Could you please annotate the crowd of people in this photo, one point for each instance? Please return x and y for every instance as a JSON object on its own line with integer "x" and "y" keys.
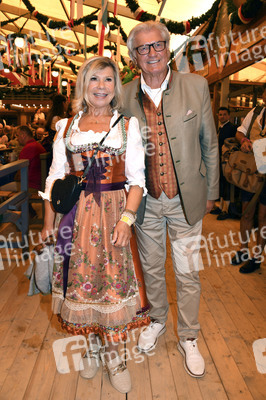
{"x": 158, "y": 166}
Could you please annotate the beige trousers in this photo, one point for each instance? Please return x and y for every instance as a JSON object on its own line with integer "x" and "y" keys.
{"x": 162, "y": 215}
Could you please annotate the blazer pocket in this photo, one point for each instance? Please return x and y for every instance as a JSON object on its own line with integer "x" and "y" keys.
{"x": 190, "y": 116}
{"x": 202, "y": 168}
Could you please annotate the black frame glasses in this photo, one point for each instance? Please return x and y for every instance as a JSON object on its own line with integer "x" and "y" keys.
{"x": 146, "y": 48}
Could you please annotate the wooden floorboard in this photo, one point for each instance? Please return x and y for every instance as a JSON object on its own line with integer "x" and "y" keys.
{"x": 232, "y": 316}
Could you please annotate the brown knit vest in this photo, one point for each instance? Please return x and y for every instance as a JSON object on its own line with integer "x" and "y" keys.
{"x": 161, "y": 174}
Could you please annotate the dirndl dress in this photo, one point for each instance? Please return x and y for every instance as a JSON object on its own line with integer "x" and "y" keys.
{"x": 104, "y": 291}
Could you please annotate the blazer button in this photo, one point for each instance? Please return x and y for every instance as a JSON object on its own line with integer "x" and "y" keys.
{"x": 162, "y": 173}
{"x": 161, "y": 143}
{"x": 161, "y": 164}
{"x": 158, "y": 113}
{"x": 160, "y": 154}
{"x": 160, "y": 133}
{"x": 159, "y": 123}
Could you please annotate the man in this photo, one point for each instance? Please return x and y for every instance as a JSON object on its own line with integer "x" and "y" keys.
{"x": 3, "y": 136}
{"x": 43, "y": 138}
{"x": 31, "y": 151}
{"x": 226, "y": 130}
{"x": 182, "y": 168}
{"x": 252, "y": 263}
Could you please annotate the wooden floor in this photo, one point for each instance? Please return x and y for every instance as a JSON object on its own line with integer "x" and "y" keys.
{"x": 232, "y": 317}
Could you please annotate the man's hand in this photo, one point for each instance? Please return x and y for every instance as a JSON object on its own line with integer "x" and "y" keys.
{"x": 209, "y": 206}
{"x": 246, "y": 146}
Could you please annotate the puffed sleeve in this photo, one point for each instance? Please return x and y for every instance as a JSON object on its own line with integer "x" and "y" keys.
{"x": 59, "y": 163}
{"x": 135, "y": 157}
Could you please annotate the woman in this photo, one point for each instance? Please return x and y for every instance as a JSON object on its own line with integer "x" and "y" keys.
{"x": 38, "y": 116}
{"x": 56, "y": 113}
{"x": 102, "y": 297}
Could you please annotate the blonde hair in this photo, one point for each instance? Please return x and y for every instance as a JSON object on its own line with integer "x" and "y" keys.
{"x": 86, "y": 71}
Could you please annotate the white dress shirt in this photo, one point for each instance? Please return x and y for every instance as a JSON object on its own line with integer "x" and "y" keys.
{"x": 155, "y": 94}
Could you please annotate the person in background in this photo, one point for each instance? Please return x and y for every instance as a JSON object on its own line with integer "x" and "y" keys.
{"x": 182, "y": 170}
{"x": 2, "y": 122}
{"x": 225, "y": 131}
{"x": 44, "y": 139}
{"x": 38, "y": 116}
{"x": 252, "y": 260}
{"x": 31, "y": 151}
{"x": 13, "y": 142}
{"x": 69, "y": 112}
{"x": 57, "y": 112}
{"x": 3, "y": 136}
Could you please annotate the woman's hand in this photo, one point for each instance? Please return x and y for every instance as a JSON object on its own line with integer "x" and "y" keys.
{"x": 122, "y": 234}
{"x": 46, "y": 232}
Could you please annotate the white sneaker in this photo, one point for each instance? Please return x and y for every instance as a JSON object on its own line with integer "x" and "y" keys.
{"x": 90, "y": 362}
{"x": 119, "y": 375}
{"x": 149, "y": 337}
{"x": 193, "y": 361}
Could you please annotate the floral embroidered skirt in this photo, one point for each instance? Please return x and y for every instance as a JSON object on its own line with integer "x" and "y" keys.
{"x": 105, "y": 289}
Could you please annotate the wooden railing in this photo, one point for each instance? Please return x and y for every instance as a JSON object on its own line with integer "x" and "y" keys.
{"x": 15, "y": 206}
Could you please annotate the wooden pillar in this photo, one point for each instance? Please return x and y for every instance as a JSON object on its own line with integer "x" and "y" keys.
{"x": 224, "y": 92}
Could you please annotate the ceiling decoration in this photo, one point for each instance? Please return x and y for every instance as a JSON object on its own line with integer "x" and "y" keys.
{"x": 62, "y": 56}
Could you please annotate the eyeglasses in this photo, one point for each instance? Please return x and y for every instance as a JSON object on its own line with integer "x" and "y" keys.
{"x": 146, "y": 48}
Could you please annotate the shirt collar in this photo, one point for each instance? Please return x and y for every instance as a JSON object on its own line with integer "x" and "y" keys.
{"x": 222, "y": 125}
{"x": 146, "y": 87}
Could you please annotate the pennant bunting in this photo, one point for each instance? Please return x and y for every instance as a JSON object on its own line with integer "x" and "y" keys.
{"x": 115, "y": 8}
{"x": 118, "y": 54}
{"x": 72, "y": 9}
{"x": 79, "y": 9}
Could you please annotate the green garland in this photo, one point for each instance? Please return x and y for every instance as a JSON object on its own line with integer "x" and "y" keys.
{"x": 237, "y": 16}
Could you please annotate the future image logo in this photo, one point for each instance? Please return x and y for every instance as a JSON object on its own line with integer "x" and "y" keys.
{"x": 259, "y": 350}
{"x": 68, "y": 353}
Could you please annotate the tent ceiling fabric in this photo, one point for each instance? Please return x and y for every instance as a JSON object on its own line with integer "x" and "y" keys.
{"x": 74, "y": 39}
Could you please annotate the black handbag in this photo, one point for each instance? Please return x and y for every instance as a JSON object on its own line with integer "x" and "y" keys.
{"x": 65, "y": 192}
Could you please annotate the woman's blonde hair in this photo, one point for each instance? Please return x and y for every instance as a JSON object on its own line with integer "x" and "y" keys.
{"x": 86, "y": 71}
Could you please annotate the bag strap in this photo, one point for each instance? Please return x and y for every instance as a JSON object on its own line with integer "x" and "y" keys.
{"x": 256, "y": 112}
{"x": 69, "y": 121}
{"x": 96, "y": 150}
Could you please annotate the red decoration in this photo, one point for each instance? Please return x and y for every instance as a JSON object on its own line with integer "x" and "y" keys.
{"x": 29, "y": 56}
{"x": 35, "y": 13}
{"x": 138, "y": 13}
{"x": 187, "y": 26}
{"x": 243, "y": 19}
{"x": 115, "y": 7}
{"x": 70, "y": 23}
{"x": 101, "y": 41}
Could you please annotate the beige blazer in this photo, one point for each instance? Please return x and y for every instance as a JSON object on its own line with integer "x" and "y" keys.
{"x": 192, "y": 138}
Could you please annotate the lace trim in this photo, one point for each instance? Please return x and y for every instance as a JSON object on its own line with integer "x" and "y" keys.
{"x": 106, "y": 309}
{"x": 131, "y": 290}
{"x": 92, "y": 146}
